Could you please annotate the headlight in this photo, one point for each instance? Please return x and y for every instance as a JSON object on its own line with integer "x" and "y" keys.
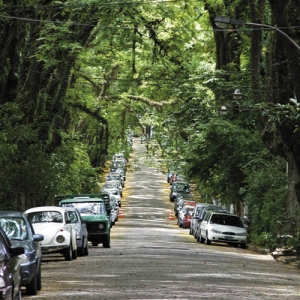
{"x": 77, "y": 234}
{"x": 101, "y": 226}
{"x": 60, "y": 239}
{"x": 2, "y": 282}
{"x": 216, "y": 231}
{"x": 242, "y": 233}
{"x": 24, "y": 258}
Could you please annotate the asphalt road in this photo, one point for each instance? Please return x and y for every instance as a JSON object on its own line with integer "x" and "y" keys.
{"x": 152, "y": 258}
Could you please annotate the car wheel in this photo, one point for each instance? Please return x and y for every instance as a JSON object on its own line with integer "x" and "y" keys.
{"x": 243, "y": 245}
{"x": 74, "y": 254}
{"x": 190, "y": 232}
{"x": 31, "y": 287}
{"x": 68, "y": 252}
{"x": 201, "y": 239}
{"x": 86, "y": 249}
{"x": 106, "y": 243}
{"x": 19, "y": 295}
{"x": 39, "y": 278}
{"x": 80, "y": 250}
{"x": 207, "y": 240}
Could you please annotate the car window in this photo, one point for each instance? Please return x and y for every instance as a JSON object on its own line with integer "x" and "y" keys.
{"x": 73, "y": 216}
{"x": 207, "y": 216}
{"x": 14, "y": 227}
{"x": 45, "y": 216}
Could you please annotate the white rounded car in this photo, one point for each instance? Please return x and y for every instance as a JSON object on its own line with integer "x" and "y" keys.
{"x": 55, "y": 225}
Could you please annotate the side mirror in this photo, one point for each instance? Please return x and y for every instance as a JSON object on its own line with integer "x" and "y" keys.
{"x": 68, "y": 221}
{"x": 38, "y": 237}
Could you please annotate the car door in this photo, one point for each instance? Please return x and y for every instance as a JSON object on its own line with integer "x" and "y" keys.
{"x": 203, "y": 225}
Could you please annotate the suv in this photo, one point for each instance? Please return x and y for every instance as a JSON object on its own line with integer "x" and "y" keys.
{"x": 95, "y": 212}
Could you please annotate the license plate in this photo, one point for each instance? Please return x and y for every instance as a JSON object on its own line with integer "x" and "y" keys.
{"x": 228, "y": 237}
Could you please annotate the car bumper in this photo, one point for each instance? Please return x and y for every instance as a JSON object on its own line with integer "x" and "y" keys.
{"x": 223, "y": 238}
{"x": 28, "y": 270}
{"x": 49, "y": 249}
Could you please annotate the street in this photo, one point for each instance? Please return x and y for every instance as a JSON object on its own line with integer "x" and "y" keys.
{"x": 152, "y": 258}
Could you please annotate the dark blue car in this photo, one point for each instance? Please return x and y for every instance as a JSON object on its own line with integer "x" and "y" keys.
{"x": 21, "y": 233}
{"x": 10, "y": 269}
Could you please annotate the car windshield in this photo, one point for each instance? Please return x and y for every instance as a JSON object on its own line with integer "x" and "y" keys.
{"x": 86, "y": 208}
{"x": 14, "y": 227}
{"x": 226, "y": 220}
{"x": 45, "y": 217}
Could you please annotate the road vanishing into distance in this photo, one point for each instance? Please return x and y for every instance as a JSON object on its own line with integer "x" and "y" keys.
{"x": 152, "y": 258}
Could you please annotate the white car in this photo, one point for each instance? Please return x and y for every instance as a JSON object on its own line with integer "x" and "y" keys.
{"x": 114, "y": 184}
{"x": 115, "y": 193}
{"x": 224, "y": 228}
{"x": 54, "y": 224}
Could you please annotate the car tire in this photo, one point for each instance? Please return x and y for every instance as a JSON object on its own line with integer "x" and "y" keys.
{"x": 190, "y": 232}
{"x": 201, "y": 239}
{"x": 207, "y": 240}
{"x": 74, "y": 254}
{"x": 19, "y": 295}
{"x": 31, "y": 287}
{"x": 86, "y": 249}
{"x": 106, "y": 243}
{"x": 39, "y": 278}
{"x": 68, "y": 253}
{"x": 80, "y": 250}
{"x": 243, "y": 246}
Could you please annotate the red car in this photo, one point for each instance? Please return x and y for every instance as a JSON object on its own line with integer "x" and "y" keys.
{"x": 185, "y": 216}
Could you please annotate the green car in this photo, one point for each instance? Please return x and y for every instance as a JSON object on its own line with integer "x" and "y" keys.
{"x": 95, "y": 212}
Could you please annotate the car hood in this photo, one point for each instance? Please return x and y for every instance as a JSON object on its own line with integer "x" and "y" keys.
{"x": 94, "y": 218}
{"x": 48, "y": 230}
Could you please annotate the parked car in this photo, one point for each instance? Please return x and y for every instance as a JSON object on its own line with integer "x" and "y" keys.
{"x": 178, "y": 187}
{"x": 55, "y": 225}
{"x": 187, "y": 197}
{"x": 115, "y": 194}
{"x": 79, "y": 226}
{"x": 185, "y": 215}
{"x": 119, "y": 170}
{"x": 114, "y": 184}
{"x": 203, "y": 211}
{"x": 21, "y": 234}
{"x": 95, "y": 212}
{"x": 196, "y": 216}
{"x": 183, "y": 203}
{"x": 224, "y": 228}
{"x": 115, "y": 177}
{"x": 114, "y": 210}
{"x": 10, "y": 269}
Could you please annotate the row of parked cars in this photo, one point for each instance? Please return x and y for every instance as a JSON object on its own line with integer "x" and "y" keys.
{"x": 206, "y": 222}
{"x": 65, "y": 228}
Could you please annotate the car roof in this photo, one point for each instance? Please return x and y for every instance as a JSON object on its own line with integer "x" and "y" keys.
{"x": 12, "y": 214}
{"x": 45, "y": 208}
{"x": 82, "y": 199}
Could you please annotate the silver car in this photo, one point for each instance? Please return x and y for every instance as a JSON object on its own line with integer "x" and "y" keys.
{"x": 81, "y": 231}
